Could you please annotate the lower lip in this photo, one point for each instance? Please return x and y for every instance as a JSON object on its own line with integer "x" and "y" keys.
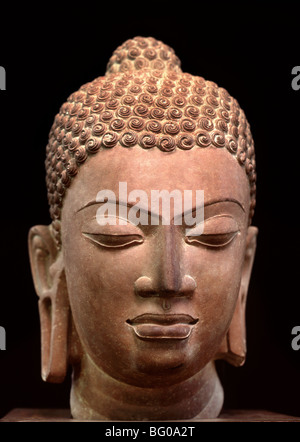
{"x": 162, "y": 332}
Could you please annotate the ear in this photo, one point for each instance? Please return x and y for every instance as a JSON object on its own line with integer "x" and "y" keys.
{"x": 50, "y": 284}
{"x": 233, "y": 347}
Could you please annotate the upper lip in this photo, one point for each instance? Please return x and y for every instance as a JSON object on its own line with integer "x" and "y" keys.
{"x": 160, "y": 319}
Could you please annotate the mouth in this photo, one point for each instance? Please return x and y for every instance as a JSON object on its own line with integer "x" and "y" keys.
{"x": 150, "y": 326}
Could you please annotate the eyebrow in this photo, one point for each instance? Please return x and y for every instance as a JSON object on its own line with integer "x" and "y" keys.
{"x": 119, "y": 202}
{"x": 128, "y": 204}
{"x": 224, "y": 200}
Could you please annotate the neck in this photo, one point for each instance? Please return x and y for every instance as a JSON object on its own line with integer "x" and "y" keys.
{"x": 97, "y": 396}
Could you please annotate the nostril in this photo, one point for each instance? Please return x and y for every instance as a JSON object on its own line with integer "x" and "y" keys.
{"x": 147, "y": 293}
{"x": 144, "y": 287}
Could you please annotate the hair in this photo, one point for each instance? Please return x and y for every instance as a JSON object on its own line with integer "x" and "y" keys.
{"x": 144, "y": 99}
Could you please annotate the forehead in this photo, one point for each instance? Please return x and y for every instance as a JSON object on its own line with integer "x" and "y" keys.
{"x": 213, "y": 170}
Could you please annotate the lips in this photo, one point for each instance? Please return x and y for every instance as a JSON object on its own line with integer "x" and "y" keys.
{"x": 161, "y": 327}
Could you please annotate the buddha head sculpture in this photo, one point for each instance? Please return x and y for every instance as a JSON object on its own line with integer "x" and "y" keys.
{"x": 142, "y": 310}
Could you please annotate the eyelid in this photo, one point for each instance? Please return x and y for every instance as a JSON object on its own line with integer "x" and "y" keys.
{"x": 112, "y": 236}
{"x": 213, "y": 241}
{"x": 113, "y": 241}
{"x": 216, "y": 225}
{"x": 215, "y": 232}
{"x": 93, "y": 227}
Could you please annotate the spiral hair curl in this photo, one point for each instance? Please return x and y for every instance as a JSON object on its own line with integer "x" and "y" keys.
{"x": 144, "y": 99}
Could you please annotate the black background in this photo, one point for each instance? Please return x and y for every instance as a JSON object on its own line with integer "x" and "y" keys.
{"x": 247, "y": 48}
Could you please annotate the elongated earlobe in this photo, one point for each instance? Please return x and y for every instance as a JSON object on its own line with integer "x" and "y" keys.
{"x": 49, "y": 279}
{"x": 233, "y": 348}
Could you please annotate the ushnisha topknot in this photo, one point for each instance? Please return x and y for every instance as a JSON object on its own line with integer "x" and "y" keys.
{"x": 143, "y": 100}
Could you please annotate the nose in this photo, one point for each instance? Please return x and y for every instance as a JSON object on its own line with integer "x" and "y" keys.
{"x": 167, "y": 276}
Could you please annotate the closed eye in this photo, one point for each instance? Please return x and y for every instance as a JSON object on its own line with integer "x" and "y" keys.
{"x": 113, "y": 241}
{"x": 217, "y": 231}
{"x": 215, "y": 240}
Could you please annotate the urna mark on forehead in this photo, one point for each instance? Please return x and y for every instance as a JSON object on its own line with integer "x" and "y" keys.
{"x": 144, "y": 100}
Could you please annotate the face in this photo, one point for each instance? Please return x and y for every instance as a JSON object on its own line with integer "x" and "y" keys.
{"x": 152, "y": 303}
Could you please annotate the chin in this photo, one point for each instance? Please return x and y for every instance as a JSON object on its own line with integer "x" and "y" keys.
{"x": 164, "y": 366}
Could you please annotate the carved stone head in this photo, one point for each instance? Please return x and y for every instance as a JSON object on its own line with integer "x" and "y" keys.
{"x": 141, "y": 310}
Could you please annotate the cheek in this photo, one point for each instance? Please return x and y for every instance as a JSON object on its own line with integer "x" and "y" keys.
{"x": 101, "y": 284}
{"x": 218, "y": 276}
